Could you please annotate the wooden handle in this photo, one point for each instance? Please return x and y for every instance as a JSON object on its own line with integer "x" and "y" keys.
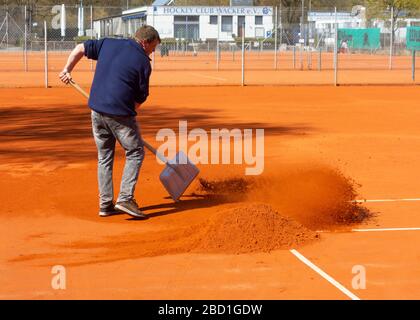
{"x": 154, "y": 151}
{"x": 78, "y": 88}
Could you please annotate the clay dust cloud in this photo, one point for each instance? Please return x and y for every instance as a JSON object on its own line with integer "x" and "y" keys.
{"x": 215, "y": 148}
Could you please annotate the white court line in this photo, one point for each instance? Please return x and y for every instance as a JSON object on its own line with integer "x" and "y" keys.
{"x": 324, "y": 275}
{"x": 374, "y": 230}
{"x": 209, "y": 77}
{"x": 384, "y": 200}
{"x": 386, "y": 229}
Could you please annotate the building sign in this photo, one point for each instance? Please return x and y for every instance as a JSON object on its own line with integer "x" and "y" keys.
{"x": 413, "y": 38}
{"x": 226, "y": 11}
{"x": 330, "y": 16}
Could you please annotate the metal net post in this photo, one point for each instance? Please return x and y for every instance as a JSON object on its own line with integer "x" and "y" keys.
{"x": 413, "y": 66}
{"x": 319, "y": 58}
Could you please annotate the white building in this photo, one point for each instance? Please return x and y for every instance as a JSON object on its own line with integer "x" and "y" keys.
{"x": 196, "y": 23}
{"x": 400, "y": 29}
{"x": 325, "y": 21}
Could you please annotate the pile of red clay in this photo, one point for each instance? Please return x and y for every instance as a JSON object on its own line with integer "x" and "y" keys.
{"x": 247, "y": 228}
{"x": 251, "y": 228}
{"x": 316, "y": 196}
{"x": 280, "y": 210}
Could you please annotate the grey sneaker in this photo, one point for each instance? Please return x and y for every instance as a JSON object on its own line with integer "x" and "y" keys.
{"x": 108, "y": 211}
{"x": 131, "y": 208}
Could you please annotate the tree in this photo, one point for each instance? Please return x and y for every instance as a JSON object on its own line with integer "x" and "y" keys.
{"x": 382, "y": 9}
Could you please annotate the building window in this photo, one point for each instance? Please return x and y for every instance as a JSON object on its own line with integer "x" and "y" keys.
{"x": 258, "y": 20}
{"x": 187, "y": 27}
{"x": 213, "y": 19}
{"x": 227, "y": 24}
{"x": 259, "y": 32}
{"x": 187, "y": 19}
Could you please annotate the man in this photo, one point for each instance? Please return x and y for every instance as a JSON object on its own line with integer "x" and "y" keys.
{"x": 120, "y": 85}
{"x": 344, "y": 46}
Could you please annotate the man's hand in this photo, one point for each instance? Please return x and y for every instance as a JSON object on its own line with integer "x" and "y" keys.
{"x": 65, "y": 76}
{"x": 72, "y": 60}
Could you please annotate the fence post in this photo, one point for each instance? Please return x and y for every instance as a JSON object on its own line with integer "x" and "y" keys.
{"x": 7, "y": 28}
{"x": 391, "y": 44}
{"x": 217, "y": 43}
{"x": 281, "y": 25}
{"x": 91, "y": 32}
{"x": 336, "y": 50}
{"x": 243, "y": 56}
{"x": 294, "y": 56}
{"x": 153, "y": 25}
{"x": 46, "y": 54}
{"x": 302, "y": 31}
{"x": 275, "y": 41}
{"x": 25, "y": 44}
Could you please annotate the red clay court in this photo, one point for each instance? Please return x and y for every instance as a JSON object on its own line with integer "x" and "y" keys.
{"x": 280, "y": 236}
{"x": 187, "y": 70}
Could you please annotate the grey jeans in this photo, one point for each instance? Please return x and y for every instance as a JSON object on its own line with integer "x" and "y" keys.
{"x": 106, "y": 131}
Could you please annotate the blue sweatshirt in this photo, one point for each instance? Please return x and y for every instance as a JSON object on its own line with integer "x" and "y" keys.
{"x": 121, "y": 77}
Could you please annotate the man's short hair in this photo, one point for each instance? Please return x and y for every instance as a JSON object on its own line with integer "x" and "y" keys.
{"x": 147, "y": 33}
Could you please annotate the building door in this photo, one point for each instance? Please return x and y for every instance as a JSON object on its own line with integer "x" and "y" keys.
{"x": 241, "y": 25}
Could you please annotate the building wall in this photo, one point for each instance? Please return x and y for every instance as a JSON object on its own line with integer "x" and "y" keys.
{"x": 207, "y": 30}
{"x": 163, "y": 20}
{"x": 323, "y": 22}
{"x": 163, "y": 24}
